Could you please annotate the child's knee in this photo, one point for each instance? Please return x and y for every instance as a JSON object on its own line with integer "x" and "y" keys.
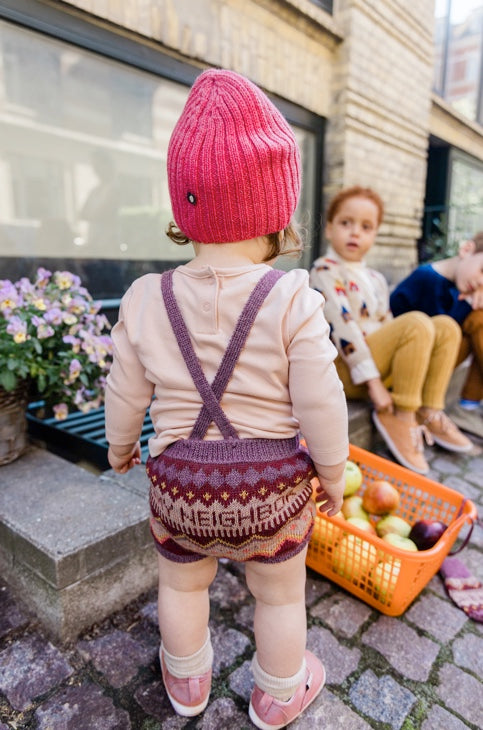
{"x": 195, "y": 576}
{"x": 420, "y": 325}
{"x": 277, "y": 583}
{"x": 448, "y": 328}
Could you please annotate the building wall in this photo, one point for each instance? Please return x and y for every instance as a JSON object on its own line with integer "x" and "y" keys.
{"x": 367, "y": 69}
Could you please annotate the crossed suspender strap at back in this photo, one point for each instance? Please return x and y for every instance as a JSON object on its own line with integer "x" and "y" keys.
{"x": 211, "y": 394}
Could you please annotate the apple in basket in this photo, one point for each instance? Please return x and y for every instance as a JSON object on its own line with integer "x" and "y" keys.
{"x": 384, "y": 577}
{"x": 353, "y": 557}
{"x": 380, "y": 497}
{"x": 426, "y": 533}
{"x": 352, "y": 507}
{"x": 404, "y": 543}
{"x": 362, "y": 524}
{"x": 353, "y": 478}
{"x": 393, "y": 523}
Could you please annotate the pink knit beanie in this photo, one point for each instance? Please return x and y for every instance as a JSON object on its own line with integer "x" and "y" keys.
{"x": 233, "y": 162}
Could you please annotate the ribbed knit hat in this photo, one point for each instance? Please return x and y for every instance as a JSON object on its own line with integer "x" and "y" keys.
{"x": 233, "y": 162}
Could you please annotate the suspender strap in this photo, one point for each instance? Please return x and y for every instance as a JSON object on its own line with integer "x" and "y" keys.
{"x": 236, "y": 344}
{"x": 211, "y": 410}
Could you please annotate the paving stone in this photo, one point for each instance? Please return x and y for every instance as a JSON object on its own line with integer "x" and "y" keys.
{"x": 382, "y": 698}
{"x": 330, "y": 713}
{"x": 227, "y": 590}
{"x": 461, "y": 692}
{"x": 117, "y": 655}
{"x": 81, "y": 707}
{"x": 339, "y": 661}
{"x": 468, "y": 653}
{"x": 241, "y": 681}
{"x": 436, "y": 584}
{"x": 30, "y": 667}
{"x": 152, "y": 698}
{"x": 462, "y": 486}
{"x": 445, "y": 465}
{"x": 13, "y": 615}
{"x": 228, "y": 644}
{"x": 410, "y": 654}
{"x": 475, "y": 470}
{"x": 440, "y": 618}
{"x": 315, "y": 588}
{"x": 440, "y": 719}
{"x": 223, "y": 713}
{"x": 344, "y": 614}
{"x": 150, "y": 611}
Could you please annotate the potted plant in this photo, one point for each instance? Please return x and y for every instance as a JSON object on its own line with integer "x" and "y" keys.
{"x": 54, "y": 345}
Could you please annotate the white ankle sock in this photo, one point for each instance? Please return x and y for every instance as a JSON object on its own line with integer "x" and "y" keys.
{"x": 282, "y": 688}
{"x": 193, "y": 665}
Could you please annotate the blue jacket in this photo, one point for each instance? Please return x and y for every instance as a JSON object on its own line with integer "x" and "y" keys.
{"x": 427, "y": 291}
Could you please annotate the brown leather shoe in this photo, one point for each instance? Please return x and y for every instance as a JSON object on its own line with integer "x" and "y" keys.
{"x": 404, "y": 439}
{"x": 443, "y": 430}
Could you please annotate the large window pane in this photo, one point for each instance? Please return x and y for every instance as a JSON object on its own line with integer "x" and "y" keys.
{"x": 83, "y": 143}
{"x": 458, "y": 54}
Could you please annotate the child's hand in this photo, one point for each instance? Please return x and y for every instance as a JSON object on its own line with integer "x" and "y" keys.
{"x": 123, "y": 458}
{"x": 379, "y": 395}
{"x": 330, "y": 490}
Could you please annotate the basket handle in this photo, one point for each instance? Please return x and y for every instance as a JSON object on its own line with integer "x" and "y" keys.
{"x": 470, "y": 531}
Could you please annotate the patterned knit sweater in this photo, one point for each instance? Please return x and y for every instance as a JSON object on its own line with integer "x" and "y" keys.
{"x": 357, "y": 303}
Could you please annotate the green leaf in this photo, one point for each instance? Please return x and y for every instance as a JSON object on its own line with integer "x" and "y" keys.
{"x": 8, "y": 380}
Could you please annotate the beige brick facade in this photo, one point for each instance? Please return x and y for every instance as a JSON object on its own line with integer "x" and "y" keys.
{"x": 367, "y": 69}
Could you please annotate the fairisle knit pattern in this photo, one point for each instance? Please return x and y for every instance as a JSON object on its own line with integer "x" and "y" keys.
{"x": 237, "y": 498}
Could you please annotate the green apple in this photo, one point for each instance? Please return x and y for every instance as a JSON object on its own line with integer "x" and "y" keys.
{"x": 393, "y": 524}
{"x": 384, "y": 578}
{"x": 362, "y": 524}
{"x": 353, "y": 557}
{"x": 352, "y": 507}
{"x": 400, "y": 542}
{"x": 353, "y": 478}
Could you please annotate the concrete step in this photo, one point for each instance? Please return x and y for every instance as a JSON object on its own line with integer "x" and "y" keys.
{"x": 73, "y": 545}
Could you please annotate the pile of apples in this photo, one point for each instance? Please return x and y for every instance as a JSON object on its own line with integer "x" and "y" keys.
{"x": 355, "y": 558}
{"x": 373, "y": 512}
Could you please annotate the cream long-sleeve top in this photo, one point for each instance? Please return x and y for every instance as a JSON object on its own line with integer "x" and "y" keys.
{"x": 284, "y": 381}
{"x": 356, "y": 304}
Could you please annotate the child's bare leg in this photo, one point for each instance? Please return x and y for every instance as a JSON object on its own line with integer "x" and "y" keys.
{"x": 183, "y": 604}
{"x": 280, "y": 623}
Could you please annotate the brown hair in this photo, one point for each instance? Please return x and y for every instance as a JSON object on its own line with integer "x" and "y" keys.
{"x": 355, "y": 192}
{"x": 478, "y": 241}
{"x": 281, "y": 243}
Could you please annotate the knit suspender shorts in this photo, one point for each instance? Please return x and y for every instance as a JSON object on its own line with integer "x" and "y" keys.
{"x": 243, "y": 499}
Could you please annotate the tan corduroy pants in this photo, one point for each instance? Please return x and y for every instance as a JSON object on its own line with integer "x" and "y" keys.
{"x": 415, "y": 355}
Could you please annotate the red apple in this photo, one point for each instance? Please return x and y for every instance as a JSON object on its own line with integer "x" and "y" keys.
{"x": 426, "y": 533}
{"x": 380, "y": 497}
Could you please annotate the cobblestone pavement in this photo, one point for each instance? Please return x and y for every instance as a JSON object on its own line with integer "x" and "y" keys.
{"x": 420, "y": 670}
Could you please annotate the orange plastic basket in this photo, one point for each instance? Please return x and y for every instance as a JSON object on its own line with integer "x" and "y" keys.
{"x": 380, "y": 574}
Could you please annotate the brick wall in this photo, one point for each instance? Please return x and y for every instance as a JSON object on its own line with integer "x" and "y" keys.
{"x": 367, "y": 69}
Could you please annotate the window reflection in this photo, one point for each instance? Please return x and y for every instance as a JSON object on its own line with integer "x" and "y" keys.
{"x": 458, "y": 55}
{"x": 83, "y": 143}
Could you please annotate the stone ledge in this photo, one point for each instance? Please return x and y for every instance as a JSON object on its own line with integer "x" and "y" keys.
{"x": 74, "y": 546}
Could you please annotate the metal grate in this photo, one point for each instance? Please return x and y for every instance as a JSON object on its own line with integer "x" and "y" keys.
{"x": 81, "y": 436}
